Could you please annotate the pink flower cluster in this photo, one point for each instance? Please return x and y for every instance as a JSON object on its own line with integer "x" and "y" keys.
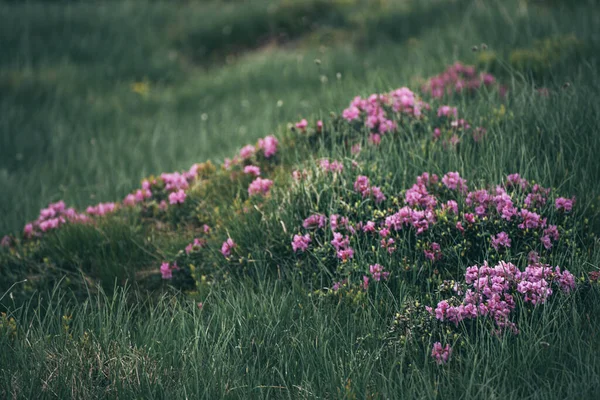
{"x": 101, "y": 209}
{"x": 563, "y": 204}
{"x": 406, "y": 216}
{"x": 433, "y": 252}
{"x": 331, "y": 166}
{"x": 55, "y": 215}
{"x": 447, "y": 111}
{"x": 177, "y": 197}
{"x": 260, "y": 186}
{"x": 424, "y": 209}
{"x": 174, "y": 181}
{"x": 362, "y": 186}
{"x": 458, "y": 78}
{"x": 375, "y": 109}
{"x": 501, "y": 240}
{"x": 227, "y": 246}
{"x": 301, "y": 242}
{"x": 315, "y": 221}
{"x": 453, "y": 181}
{"x": 196, "y": 245}
{"x": 490, "y": 292}
{"x": 175, "y": 184}
{"x": 252, "y": 170}
{"x": 336, "y": 222}
{"x": 377, "y": 272}
{"x": 268, "y": 146}
{"x": 167, "y": 269}
{"x": 302, "y": 125}
{"x": 138, "y": 197}
{"x": 440, "y": 354}
{"x": 342, "y": 247}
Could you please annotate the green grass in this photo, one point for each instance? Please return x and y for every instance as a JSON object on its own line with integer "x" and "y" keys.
{"x": 73, "y": 128}
{"x": 270, "y": 342}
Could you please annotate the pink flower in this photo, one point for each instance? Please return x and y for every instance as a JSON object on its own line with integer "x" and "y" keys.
{"x": 268, "y": 145}
{"x": 566, "y": 280}
{"x": 338, "y": 285}
{"x": 454, "y": 140}
{"x": 375, "y": 139}
{"x": 177, "y": 197}
{"x": 142, "y": 194}
{"x": 227, "y": 246}
{"x": 167, "y": 270}
{"x": 339, "y": 241}
{"x": 197, "y": 244}
{"x": 501, "y": 240}
{"x": 301, "y": 242}
{"x": 533, "y": 257}
{"x": 206, "y": 228}
{"x": 192, "y": 173}
{"x": 377, "y": 272}
{"x": 361, "y": 185}
{"x": 247, "y": 151}
{"x": 129, "y": 200}
{"x": 369, "y": 227}
{"x": 260, "y": 186}
{"x": 550, "y": 234}
{"x": 365, "y": 283}
{"x": 351, "y": 113}
{"x": 315, "y": 221}
{"x": 101, "y": 209}
{"x": 252, "y": 170}
{"x": 345, "y": 254}
{"x": 440, "y": 354}
{"x": 453, "y": 181}
{"x": 531, "y": 220}
{"x": 355, "y": 149}
{"x": 433, "y": 252}
{"x": 173, "y": 181}
{"x": 447, "y": 111}
{"x": 516, "y": 181}
{"x": 319, "y": 126}
{"x": 377, "y": 194}
{"x": 28, "y": 230}
{"x": 452, "y": 206}
{"x": 302, "y": 125}
{"x": 564, "y": 204}
{"x": 333, "y": 166}
{"x": 470, "y": 218}
{"x": 6, "y": 241}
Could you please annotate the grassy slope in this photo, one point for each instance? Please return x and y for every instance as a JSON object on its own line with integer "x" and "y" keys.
{"x": 266, "y": 340}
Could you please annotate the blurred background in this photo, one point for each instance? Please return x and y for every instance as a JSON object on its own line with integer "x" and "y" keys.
{"x": 96, "y": 95}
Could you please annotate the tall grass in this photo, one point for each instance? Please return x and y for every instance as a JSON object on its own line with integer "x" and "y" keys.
{"x": 268, "y": 341}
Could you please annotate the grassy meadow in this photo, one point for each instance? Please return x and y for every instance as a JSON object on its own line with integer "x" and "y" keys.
{"x": 216, "y": 283}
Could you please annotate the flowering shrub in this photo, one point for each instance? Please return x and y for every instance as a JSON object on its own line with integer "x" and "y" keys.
{"x": 400, "y": 110}
{"x": 446, "y": 222}
{"x": 458, "y": 79}
{"x": 491, "y": 292}
{"x": 488, "y": 297}
{"x": 368, "y": 234}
